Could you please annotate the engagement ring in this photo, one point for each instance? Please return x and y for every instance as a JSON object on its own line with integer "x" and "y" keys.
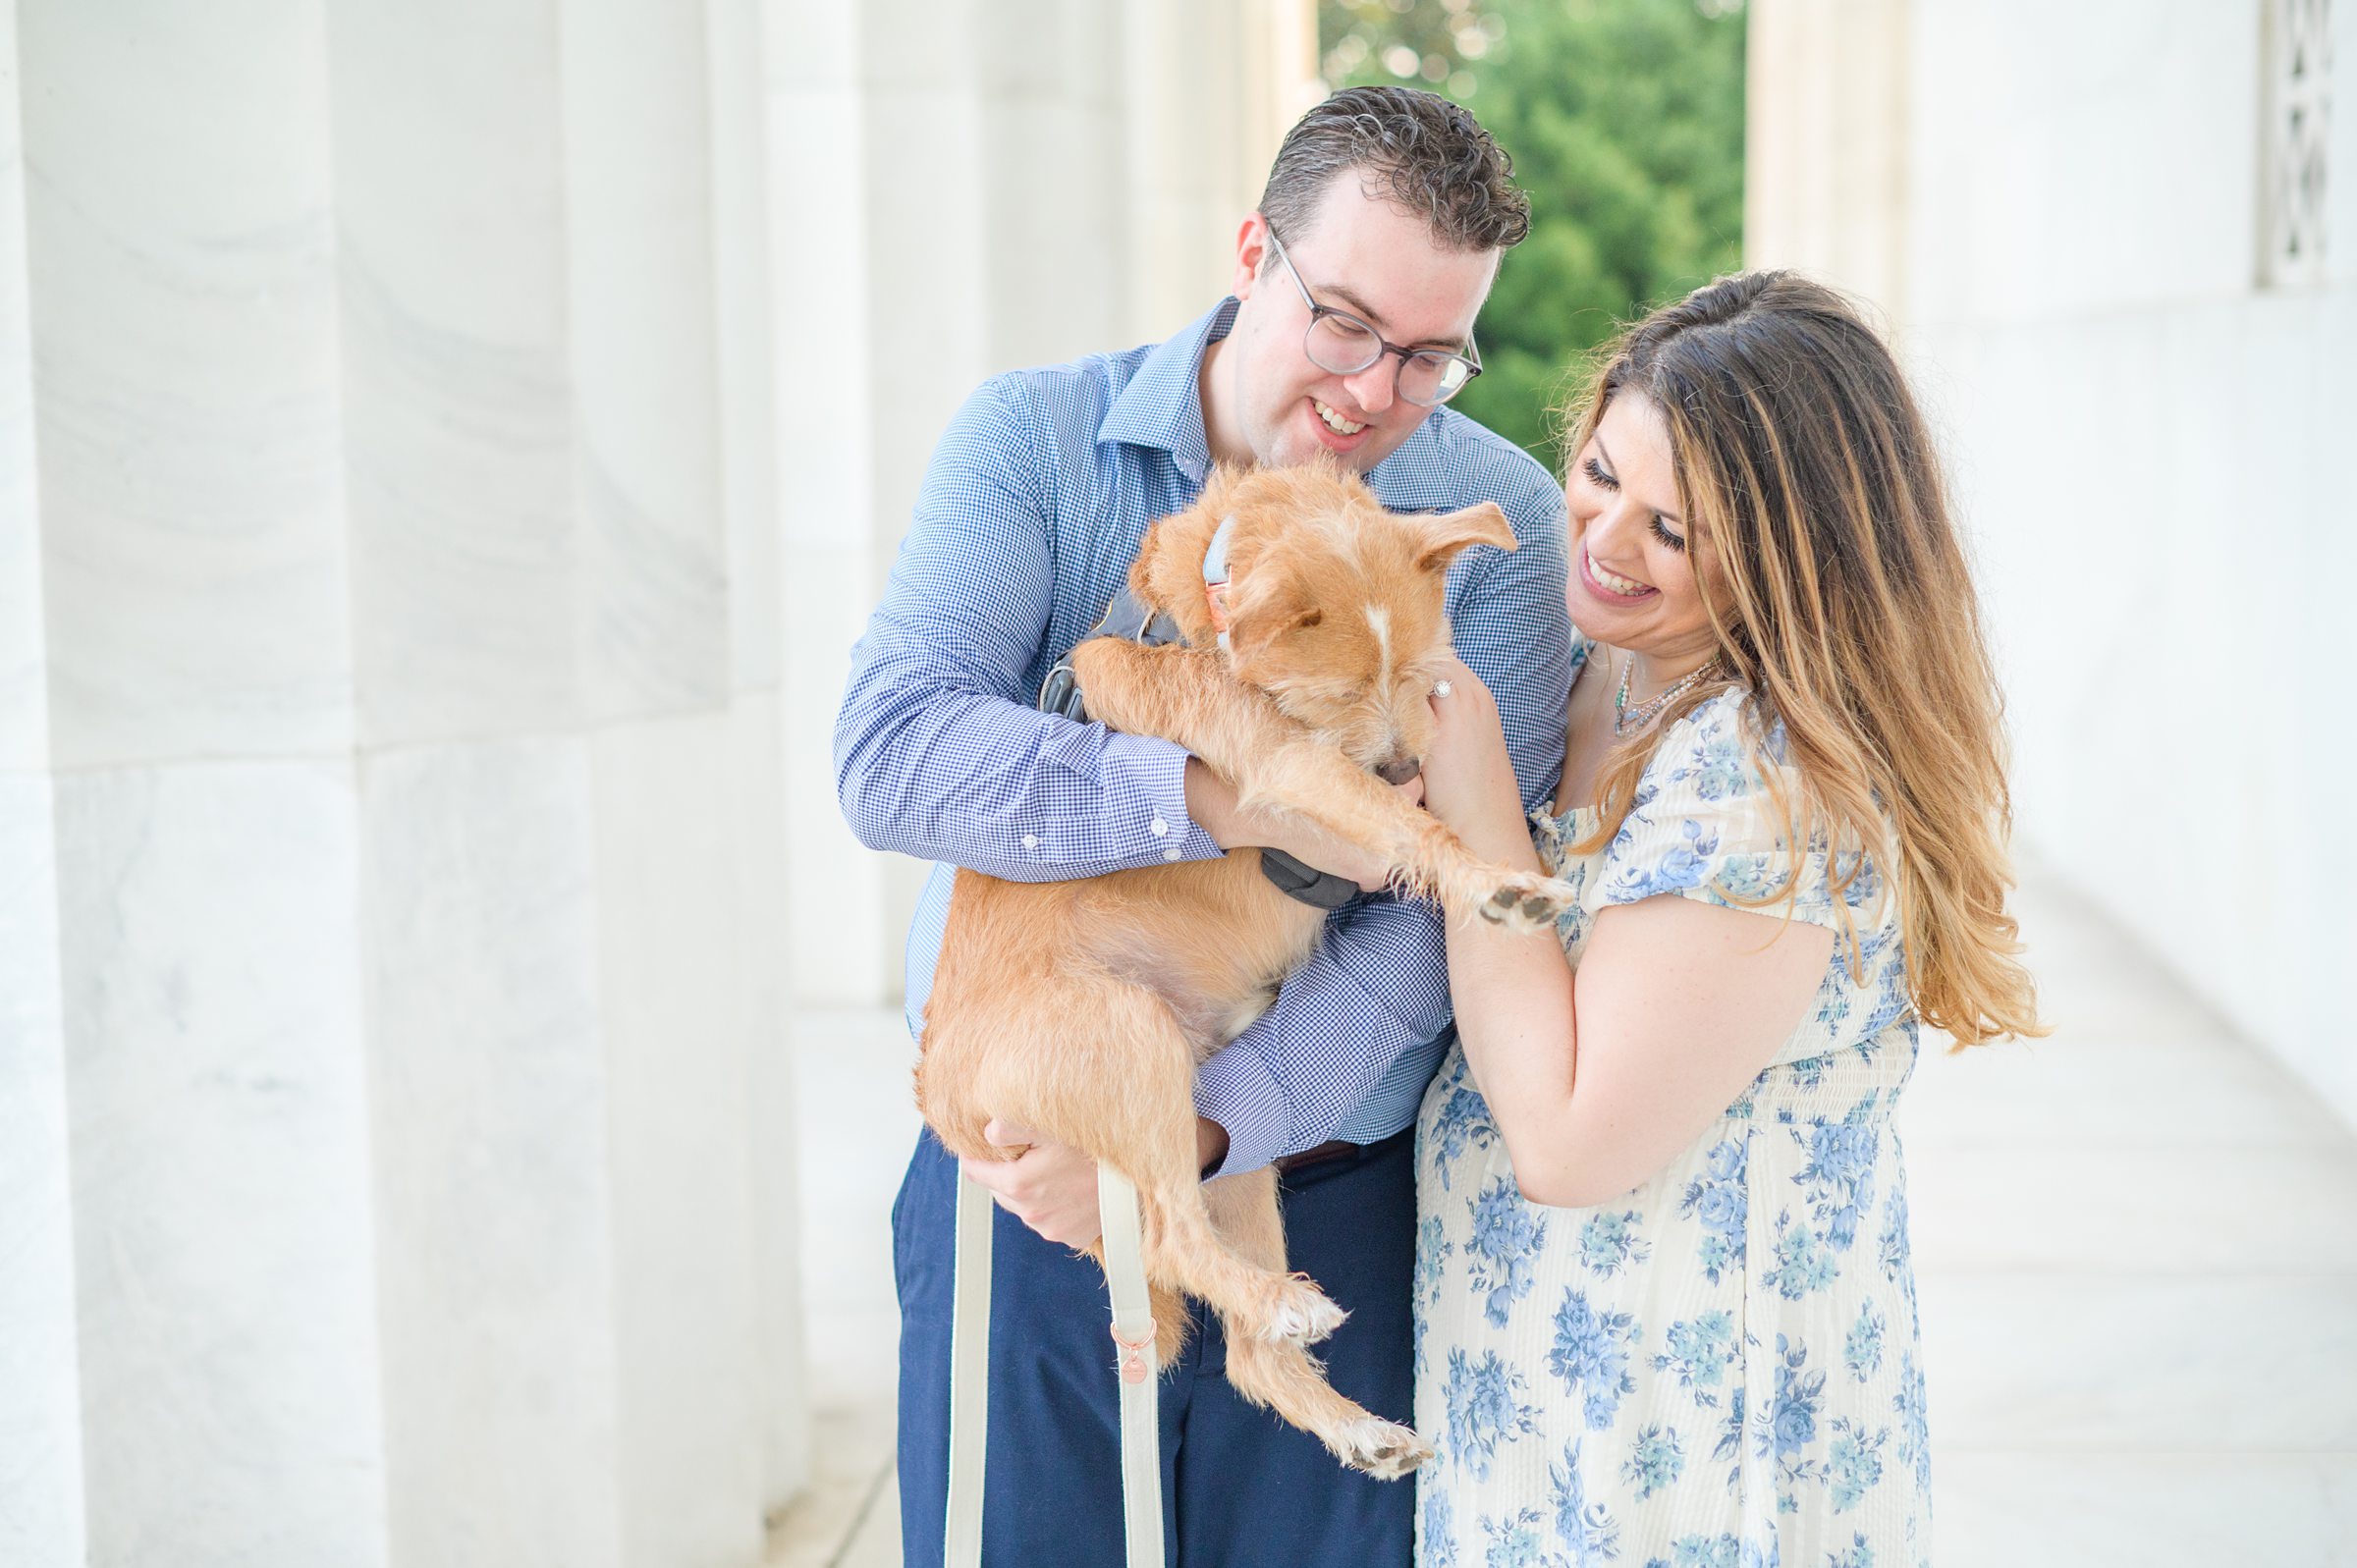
{"x": 1441, "y": 688}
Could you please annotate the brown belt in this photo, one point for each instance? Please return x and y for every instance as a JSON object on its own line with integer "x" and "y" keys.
{"x": 1287, "y": 1164}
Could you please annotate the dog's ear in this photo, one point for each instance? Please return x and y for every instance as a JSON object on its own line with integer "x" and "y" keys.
{"x": 1449, "y": 534}
{"x": 1168, "y": 574}
{"x": 1276, "y": 603}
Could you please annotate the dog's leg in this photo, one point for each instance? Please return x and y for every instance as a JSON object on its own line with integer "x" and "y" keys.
{"x": 1283, "y": 1375}
{"x": 1258, "y": 1303}
{"x": 1290, "y": 1380}
{"x": 1322, "y": 786}
{"x": 1186, "y": 695}
{"x": 1181, "y": 694}
{"x": 1141, "y": 1123}
{"x": 1244, "y": 1216}
{"x": 1114, "y": 1080}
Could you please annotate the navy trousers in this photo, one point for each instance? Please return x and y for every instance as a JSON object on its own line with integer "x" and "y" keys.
{"x": 1240, "y": 1489}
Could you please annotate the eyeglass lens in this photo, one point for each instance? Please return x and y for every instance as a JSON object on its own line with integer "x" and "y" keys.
{"x": 1345, "y": 348}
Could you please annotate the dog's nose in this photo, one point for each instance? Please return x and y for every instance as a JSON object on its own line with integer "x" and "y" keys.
{"x": 1399, "y": 770}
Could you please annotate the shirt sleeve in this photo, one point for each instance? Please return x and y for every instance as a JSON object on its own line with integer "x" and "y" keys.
{"x": 939, "y": 752}
{"x": 1378, "y": 985}
{"x": 1709, "y": 821}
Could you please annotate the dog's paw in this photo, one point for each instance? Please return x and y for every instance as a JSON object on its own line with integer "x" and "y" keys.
{"x": 1527, "y": 902}
{"x": 1302, "y": 1315}
{"x": 1382, "y": 1448}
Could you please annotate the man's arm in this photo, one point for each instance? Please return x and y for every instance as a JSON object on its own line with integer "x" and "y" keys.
{"x": 938, "y": 751}
{"x": 1377, "y": 987}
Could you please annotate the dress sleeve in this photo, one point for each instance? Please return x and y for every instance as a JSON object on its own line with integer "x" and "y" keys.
{"x": 1706, "y": 825}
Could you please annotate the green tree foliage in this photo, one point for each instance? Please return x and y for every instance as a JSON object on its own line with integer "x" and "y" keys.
{"x": 1624, "y": 118}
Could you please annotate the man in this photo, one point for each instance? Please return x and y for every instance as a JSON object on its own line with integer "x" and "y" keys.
{"x": 1356, "y": 285}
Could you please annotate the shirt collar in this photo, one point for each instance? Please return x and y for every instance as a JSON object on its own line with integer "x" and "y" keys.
{"x": 1418, "y": 476}
{"x": 1162, "y": 407}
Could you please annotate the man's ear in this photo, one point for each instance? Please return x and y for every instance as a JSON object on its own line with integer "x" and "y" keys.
{"x": 1251, "y": 254}
{"x": 1449, "y": 536}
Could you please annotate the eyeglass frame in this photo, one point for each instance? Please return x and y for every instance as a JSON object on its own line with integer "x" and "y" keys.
{"x": 1471, "y": 358}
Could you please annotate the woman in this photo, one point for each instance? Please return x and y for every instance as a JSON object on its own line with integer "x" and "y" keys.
{"x": 1664, "y": 1306}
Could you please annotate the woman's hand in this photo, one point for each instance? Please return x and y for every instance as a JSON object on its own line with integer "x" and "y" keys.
{"x": 1468, "y": 776}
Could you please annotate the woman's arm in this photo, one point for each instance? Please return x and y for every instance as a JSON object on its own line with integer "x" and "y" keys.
{"x": 1596, "y": 1085}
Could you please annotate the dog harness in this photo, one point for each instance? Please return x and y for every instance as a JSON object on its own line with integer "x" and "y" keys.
{"x": 1127, "y": 617}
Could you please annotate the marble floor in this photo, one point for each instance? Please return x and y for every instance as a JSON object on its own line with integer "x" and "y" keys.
{"x": 2138, "y": 1253}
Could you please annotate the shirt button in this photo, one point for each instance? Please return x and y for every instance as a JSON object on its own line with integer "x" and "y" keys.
{"x": 1030, "y": 841}
{"x": 1172, "y": 854}
{"x": 1159, "y": 827}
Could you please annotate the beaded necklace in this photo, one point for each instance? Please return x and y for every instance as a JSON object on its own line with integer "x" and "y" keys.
{"x": 1627, "y": 718}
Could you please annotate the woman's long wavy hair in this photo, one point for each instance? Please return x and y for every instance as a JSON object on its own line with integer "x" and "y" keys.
{"x": 1840, "y": 599}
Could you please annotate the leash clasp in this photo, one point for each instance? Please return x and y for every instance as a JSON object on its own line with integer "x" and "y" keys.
{"x": 1134, "y": 1352}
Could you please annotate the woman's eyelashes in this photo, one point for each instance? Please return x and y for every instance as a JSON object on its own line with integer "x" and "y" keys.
{"x": 1661, "y": 530}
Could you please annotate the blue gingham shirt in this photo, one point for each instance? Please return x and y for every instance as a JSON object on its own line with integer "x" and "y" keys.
{"x": 1029, "y": 518}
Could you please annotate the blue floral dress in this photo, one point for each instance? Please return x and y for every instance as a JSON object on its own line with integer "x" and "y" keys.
{"x": 1722, "y": 1369}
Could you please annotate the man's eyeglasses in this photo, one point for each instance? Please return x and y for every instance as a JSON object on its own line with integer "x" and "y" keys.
{"x": 1341, "y": 344}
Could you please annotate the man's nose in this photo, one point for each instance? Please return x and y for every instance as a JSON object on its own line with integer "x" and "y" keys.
{"x": 1372, "y": 388}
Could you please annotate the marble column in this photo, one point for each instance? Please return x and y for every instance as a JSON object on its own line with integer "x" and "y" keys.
{"x": 391, "y": 868}
{"x": 187, "y": 512}
{"x": 1826, "y": 163}
{"x": 41, "y": 1411}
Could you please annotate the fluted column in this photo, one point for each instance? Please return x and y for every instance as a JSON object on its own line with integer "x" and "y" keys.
{"x": 180, "y": 228}
{"x": 40, "y": 1413}
{"x": 392, "y": 875}
{"x": 1825, "y": 175}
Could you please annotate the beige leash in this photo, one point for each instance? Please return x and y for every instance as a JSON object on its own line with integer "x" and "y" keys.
{"x": 969, "y": 1376}
{"x": 969, "y": 1373}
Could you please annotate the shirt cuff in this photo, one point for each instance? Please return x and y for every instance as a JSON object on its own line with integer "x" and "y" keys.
{"x": 1236, "y": 1090}
{"x": 1153, "y": 773}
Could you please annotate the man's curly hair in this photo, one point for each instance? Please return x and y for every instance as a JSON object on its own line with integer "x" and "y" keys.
{"x": 1415, "y": 149}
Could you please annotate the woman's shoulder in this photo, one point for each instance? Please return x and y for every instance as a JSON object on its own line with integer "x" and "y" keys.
{"x": 1722, "y": 811}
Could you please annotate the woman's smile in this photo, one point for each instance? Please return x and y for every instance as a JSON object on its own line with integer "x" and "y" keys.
{"x": 1607, "y": 584}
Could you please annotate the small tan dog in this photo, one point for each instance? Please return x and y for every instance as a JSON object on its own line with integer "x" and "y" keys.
{"x": 1081, "y": 1008}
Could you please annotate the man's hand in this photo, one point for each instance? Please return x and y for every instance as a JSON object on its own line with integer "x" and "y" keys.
{"x": 1212, "y": 802}
{"x": 1052, "y": 1187}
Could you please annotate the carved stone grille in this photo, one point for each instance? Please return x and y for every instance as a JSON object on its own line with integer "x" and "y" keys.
{"x": 2299, "y": 123}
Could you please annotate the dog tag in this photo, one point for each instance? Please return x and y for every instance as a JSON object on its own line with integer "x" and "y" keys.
{"x": 1133, "y": 1353}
